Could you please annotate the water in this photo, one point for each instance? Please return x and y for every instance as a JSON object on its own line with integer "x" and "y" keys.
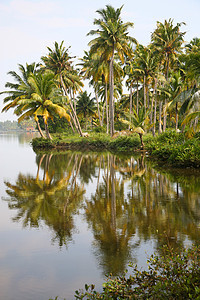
{"x": 69, "y": 218}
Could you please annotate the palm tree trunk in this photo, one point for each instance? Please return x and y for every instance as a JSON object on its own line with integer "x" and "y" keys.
{"x": 39, "y": 129}
{"x": 176, "y": 116}
{"x": 160, "y": 117}
{"x": 72, "y": 108}
{"x": 165, "y": 117}
{"x": 73, "y": 121}
{"x": 99, "y": 115}
{"x": 131, "y": 100}
{"x": 153, "y": 102}
{"x": 70, "y": 123}
{"x": 145, "y": 93}
{"x": 103, "y": 111}
{"x": 141, "y": 140}
{"x": 154, "y": 118}
{"x": 47, "y": 130}
{"x": 107, "y": 115}
{"x": 137, "y": 104}
{"x": 111, "y": 102}
{"x": 165, "y": 112}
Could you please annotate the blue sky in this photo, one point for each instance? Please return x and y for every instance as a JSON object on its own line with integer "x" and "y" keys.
{"x": 27, "y": 27}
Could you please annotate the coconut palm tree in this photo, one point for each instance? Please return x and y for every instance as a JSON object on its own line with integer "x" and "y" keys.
{"x": 85, "y": 105}
{"x": 59, "y": 61}
{"x": 174, "y": 88}
{"x": 167, "y": 41}
{"x": 94, "y": 69}
{"x": 20, "y": 89}
{"x": 112, "y": 37}
{"x": 139, "y": 123}
{"x": 45, "y": 100}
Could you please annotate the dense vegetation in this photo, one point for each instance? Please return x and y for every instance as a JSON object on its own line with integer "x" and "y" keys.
{"x": 169, "y": 148}
{"x": 162, "y": 79}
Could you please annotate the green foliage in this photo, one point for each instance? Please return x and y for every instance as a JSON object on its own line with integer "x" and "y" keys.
{"x": 56, "y": 125}
{"x": 170, "y": 276}
{"x": 124, "y": 143}
{"x": 100, "y": 129}
{"x": 38, "y": 143}
{"x": 170, "y": 148}
{"x": 175, "y": 149}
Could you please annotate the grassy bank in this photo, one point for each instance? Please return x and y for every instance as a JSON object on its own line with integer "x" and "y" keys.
{"x": 170, "y": 148}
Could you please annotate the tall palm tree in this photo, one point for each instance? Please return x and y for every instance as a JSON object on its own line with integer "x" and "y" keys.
{"x": 134, "y": 77}
{"x": 175, "y": 87}
{"x": 94, "y": 69}
{"x": 167, "y": 41}
{"x": 59, "y": 61}
{"x": 112, "y": 37}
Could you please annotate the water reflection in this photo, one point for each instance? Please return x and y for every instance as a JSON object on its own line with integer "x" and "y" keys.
{"x": 129, "y": 202}
{"x": 22, "y": 137}
{"x": 53, "y": 199}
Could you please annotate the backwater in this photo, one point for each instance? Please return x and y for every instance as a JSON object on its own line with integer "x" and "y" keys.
{"x": 69, "y": 218}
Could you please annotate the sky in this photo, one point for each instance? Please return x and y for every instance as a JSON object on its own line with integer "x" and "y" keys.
{"x": 27, "y": 27}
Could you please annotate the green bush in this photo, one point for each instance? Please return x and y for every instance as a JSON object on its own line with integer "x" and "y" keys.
{"x": 175, "y": 149}
{"x": 124, "y": 143}
{"x": 171, "y": 276}
{"x": 38, "y": 143}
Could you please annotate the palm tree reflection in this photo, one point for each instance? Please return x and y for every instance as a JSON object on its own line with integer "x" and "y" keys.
{"x": 54, "y": 199}
{"x": 130, "y": 203}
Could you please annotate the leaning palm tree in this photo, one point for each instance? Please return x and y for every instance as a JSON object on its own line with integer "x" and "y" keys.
{"x": 112, "y": 37}
{"x": 20, "y": 89}
{"x": 21, "y": 86}
{"x": 45, "y": 100}
{"x": 59, "y": 61}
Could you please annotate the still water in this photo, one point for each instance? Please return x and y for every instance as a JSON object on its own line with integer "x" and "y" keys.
{"x": 69, "y": 218}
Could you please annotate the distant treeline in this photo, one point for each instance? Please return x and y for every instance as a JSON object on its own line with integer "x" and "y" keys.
{"x": 14, "y": 125}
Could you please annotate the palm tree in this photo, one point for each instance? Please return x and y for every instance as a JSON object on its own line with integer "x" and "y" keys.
{"x": 45, "y": 100}
{"x": 138, "y": 122}
{"x": 59, "y": 61}
{"x": 21, "y": 88}
{"x": 112, "y": 38}
{"x": 134, "y": 77}
{"x": 97, "y": 70}
{"x": 94, "y": 69}
{"x": 193, "y": 110}
{"x": 85, "y": 105}
{"x": 167, "y": 41}
{"x": 175, "y": 87}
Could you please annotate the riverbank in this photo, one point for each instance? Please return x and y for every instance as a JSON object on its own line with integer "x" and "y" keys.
{"x": 169, "y": 148}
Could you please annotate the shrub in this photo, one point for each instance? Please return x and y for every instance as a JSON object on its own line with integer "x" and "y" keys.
{"x": 171, "y": 276}
{"x": 124, "y": 143}
{"x": 42, "y": 143}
